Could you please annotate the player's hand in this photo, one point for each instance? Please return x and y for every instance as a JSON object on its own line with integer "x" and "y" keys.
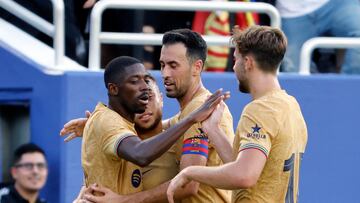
{"x": 209, "y": 105}
{"x": 213, "y": 121}
{"x": 179, "y": 181}
{"x": 108, "y": 195}
{"x": 74, "y": 128}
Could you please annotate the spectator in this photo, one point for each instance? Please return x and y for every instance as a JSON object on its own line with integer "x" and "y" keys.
{"x": 302, "y": 20}
{"x": 29, "y": 173}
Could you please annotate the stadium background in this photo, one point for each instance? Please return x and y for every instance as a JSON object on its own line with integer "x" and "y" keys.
{"x": 330, "y": 104}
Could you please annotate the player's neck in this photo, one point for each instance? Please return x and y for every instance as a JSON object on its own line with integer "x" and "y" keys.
{"x": 30, "y": 196}
{"x": 263, "y": 84}
{"x": 193, "y": 90}
{"x": 118, "y": 108}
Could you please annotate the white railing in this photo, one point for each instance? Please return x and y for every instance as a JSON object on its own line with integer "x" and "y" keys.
{"x": 323, "y": 42}
{"x": 55, "y": 30}
{"x": 97, "y": 37}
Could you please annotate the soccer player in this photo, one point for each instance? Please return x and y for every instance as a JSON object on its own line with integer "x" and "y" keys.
{"x": 147, "y": 125}
{"x": 112, "y": 153}
{"x": 271, "y": 135}
{"x": 182, "y": 60}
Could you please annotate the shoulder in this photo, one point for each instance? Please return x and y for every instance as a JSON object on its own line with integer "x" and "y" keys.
{"x": 103, "y": 113}
{"x": 273, "y": 105}
{"x": 255, "y": 108}
{"x": 107, "y": 119}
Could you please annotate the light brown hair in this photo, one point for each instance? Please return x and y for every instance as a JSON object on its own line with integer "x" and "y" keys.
{"x": 266, "y": 44}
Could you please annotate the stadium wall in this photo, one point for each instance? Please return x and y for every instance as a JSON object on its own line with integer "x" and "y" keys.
{"x": 330, "y": 104}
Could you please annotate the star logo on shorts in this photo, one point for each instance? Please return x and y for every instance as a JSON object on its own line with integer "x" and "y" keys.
{"x": 256, "y": 129}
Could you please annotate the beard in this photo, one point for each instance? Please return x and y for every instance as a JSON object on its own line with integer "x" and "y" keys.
{"x": 152, "y": 126}
{"x": 134, "y": 108}
{"x": 243, "y": 82}
{"x": 171, "y": 95}
{"x": 244, "y": 87}
{"x": 175, "y": 93}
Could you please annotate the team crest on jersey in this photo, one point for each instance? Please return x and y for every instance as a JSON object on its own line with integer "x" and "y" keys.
{"x": 136, "y": 178}
{"x": 202, "y": 133}
{"x": 256, "y": 133}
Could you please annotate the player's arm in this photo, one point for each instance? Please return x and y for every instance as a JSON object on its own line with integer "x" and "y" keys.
{"x": 191, "y": 157}
{"x": 221, "y": 144}
{"x": 255, "y": 145}
{"x": 242, "y": 173}
{"x": 218, "y": 138}
{"x": 143, "y": 152}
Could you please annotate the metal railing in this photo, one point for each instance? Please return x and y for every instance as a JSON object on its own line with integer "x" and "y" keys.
{"x": 97, "y": 37}
{"x": 323, "y": 42}
{"x": 55, "y": 30}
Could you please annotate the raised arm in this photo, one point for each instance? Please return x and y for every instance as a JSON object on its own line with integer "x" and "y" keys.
{"x": 144, "y": 152}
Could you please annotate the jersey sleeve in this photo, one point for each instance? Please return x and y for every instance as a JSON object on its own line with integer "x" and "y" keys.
{"x": 253, "y": 136}
{"x": 113, "y": 130}
{"x": 256, "y": 129}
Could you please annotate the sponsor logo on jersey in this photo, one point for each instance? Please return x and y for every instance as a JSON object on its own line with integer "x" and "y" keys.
{"x": 136, "y": 178}
{"x": 256, "y": 133}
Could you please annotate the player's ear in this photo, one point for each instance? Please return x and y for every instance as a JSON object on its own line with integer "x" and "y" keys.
{"x": 197, "y": 67}
{"x": 249, "y": 62}
{"x": 113, "y": 89}
{"x": 13, "y": 172}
